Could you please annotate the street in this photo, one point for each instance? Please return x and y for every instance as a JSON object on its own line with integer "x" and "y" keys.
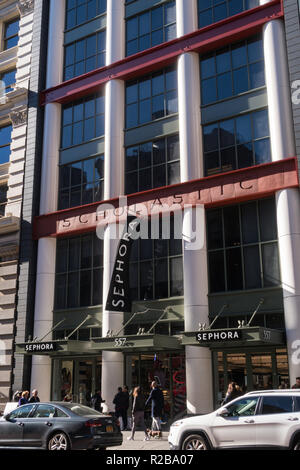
{"x": 140, "y": 444}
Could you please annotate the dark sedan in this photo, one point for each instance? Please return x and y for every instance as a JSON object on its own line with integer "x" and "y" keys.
{"x": 59, "y": 426}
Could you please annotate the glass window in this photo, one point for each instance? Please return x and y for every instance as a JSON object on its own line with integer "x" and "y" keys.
{"x": 156, "y": 267}
{"x": 79, "y": 274}
{"x": 232, "y": 70}
{"x": 8, "y": 79}
{"x": 79, "y": 11}
{"x": 240, "y": 255}
{"x": 152, "y": 164}
{"x": 22, "y": 412}
{"x": 44, "y": 411}
{"x": 277, "y": 404}
{"x": 82, "y": 120}
{"x": 11, "y": 33}
{"x": 151, "y": 28}
{"x": 237, "y": 143}
{"x": 151, "y": 97}
{"x": 211, "y": 11}
{"x": 3, "y": 198}
{"x": 85, "y": 55}
{"x": 243, "y": 407}
{"x": 85, "y": 184}
{"x": 5, "y": 141}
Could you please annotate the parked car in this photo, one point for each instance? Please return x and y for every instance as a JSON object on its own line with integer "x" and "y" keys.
{"x": 257, "y": 419}
{"x": 59, "y": 426}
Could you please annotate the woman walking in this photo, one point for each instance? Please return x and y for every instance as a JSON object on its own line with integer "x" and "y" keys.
{"x": 138, "y": 410}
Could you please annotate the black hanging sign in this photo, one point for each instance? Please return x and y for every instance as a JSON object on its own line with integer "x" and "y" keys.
{"x": 119, "y": 298}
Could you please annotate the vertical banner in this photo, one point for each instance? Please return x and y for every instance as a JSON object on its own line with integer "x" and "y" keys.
{"x": 119, "y": 298}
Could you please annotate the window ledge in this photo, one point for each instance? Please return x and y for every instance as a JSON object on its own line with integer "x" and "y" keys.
{"x": 8, "y": 55}
{"x": 4, "y": 172}
{"x": 13, "y": 96}
{"x": 9, "y": 223}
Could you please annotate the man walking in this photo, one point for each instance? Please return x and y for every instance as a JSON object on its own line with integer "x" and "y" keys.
{"x": 157, "y": 398}
{"x": 120, "y": 407}
{"x": 34, "y": 398}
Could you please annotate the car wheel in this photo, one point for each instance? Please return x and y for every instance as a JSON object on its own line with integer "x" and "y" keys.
{"x": 195, "y": 442}
{"x": 58, "y": 441}
{"x": 296, "y": 445}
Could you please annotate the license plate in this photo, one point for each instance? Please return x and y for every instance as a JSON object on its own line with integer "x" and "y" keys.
{"x": 109, "y": 429}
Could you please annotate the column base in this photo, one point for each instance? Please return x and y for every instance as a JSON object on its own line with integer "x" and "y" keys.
{"x": 112, "y": 377}
{"x": 199, "y": 380}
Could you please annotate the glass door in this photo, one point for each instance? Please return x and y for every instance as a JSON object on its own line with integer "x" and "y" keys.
{"x": 168, "y": 370}
{"x": 237, "y": 370}
{"x": 67, "y": 380}
{"x": 85, "y": 382}
{"x": 262, "y": 371}
{"x": 258, "y": 370}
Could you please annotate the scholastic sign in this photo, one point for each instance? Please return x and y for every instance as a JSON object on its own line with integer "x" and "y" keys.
{"x": 211, "y": 336}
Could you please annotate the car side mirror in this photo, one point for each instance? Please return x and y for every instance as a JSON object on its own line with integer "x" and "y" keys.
{"x": 223, "y": 412}
{"x": 7, "y": 417}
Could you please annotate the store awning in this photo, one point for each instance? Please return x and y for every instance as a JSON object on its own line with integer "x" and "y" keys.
{"x": 136, "y": 342}
{"x": 121, "y": 344}
{"x": 233, "y": 337}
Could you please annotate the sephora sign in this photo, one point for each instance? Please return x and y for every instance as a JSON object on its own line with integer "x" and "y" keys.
{"x": 212, "y": 336}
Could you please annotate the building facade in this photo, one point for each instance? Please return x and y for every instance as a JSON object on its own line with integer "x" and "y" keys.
{"x": 168, "y": 102}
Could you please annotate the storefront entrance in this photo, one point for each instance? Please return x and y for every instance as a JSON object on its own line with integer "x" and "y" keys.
{"x": 250, "y": 369}
{"x": 77, "y": 379}
{"x": 168, "y": 369}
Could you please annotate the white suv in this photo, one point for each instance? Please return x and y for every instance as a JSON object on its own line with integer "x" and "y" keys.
{"x": 258, "y": 419}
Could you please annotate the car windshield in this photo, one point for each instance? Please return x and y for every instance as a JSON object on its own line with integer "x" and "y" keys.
{"x": 81, "y": 410}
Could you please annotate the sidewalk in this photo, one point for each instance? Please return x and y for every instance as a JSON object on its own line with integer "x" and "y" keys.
{"x": 140, "y": 444}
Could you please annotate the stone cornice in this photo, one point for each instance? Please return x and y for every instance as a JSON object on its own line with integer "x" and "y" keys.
{"x": 25, "y": 7}
{"x": 18, "y": 116}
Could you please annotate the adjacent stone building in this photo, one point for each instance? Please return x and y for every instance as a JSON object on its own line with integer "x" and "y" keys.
{"x": 19, "y": 74}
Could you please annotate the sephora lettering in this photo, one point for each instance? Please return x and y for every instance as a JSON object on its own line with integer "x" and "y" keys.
{"x": 40, "y": 347}
{"x": 218, "y": 335}
{"x": 118, "y": 299}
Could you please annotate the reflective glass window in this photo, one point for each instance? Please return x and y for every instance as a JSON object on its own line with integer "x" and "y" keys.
{"x": 239, "y": 142}
{"x": 151, "y": 97}
{"x": 211, "y": 11}
{"x": 232, "y": 70}
{"x": 80, "y": 11}
{"x": 242, "y": 248}
{"x": 150, "y": 28}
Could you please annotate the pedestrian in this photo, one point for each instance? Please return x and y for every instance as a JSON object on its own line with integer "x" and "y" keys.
{"x": 120, "y": 406}
{"x": 97, "y": 400}
{"x": 157, "y": 398}
{"x": 297, "y": 384}
{"x": 17, "y": 396}
{"x": 126, "y": 401}
{"x": 24, "y": 398}
{"x": 138, "y": 412}
{"x": 233, "y": 392}
{"x": 34, "y": 398}
{"x": 282, "y": 385}
{"x": 68, "y": 398}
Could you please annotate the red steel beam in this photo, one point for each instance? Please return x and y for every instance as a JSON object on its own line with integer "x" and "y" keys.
{"x": 213, "y": 191}
{"x": 203, "y": 40}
